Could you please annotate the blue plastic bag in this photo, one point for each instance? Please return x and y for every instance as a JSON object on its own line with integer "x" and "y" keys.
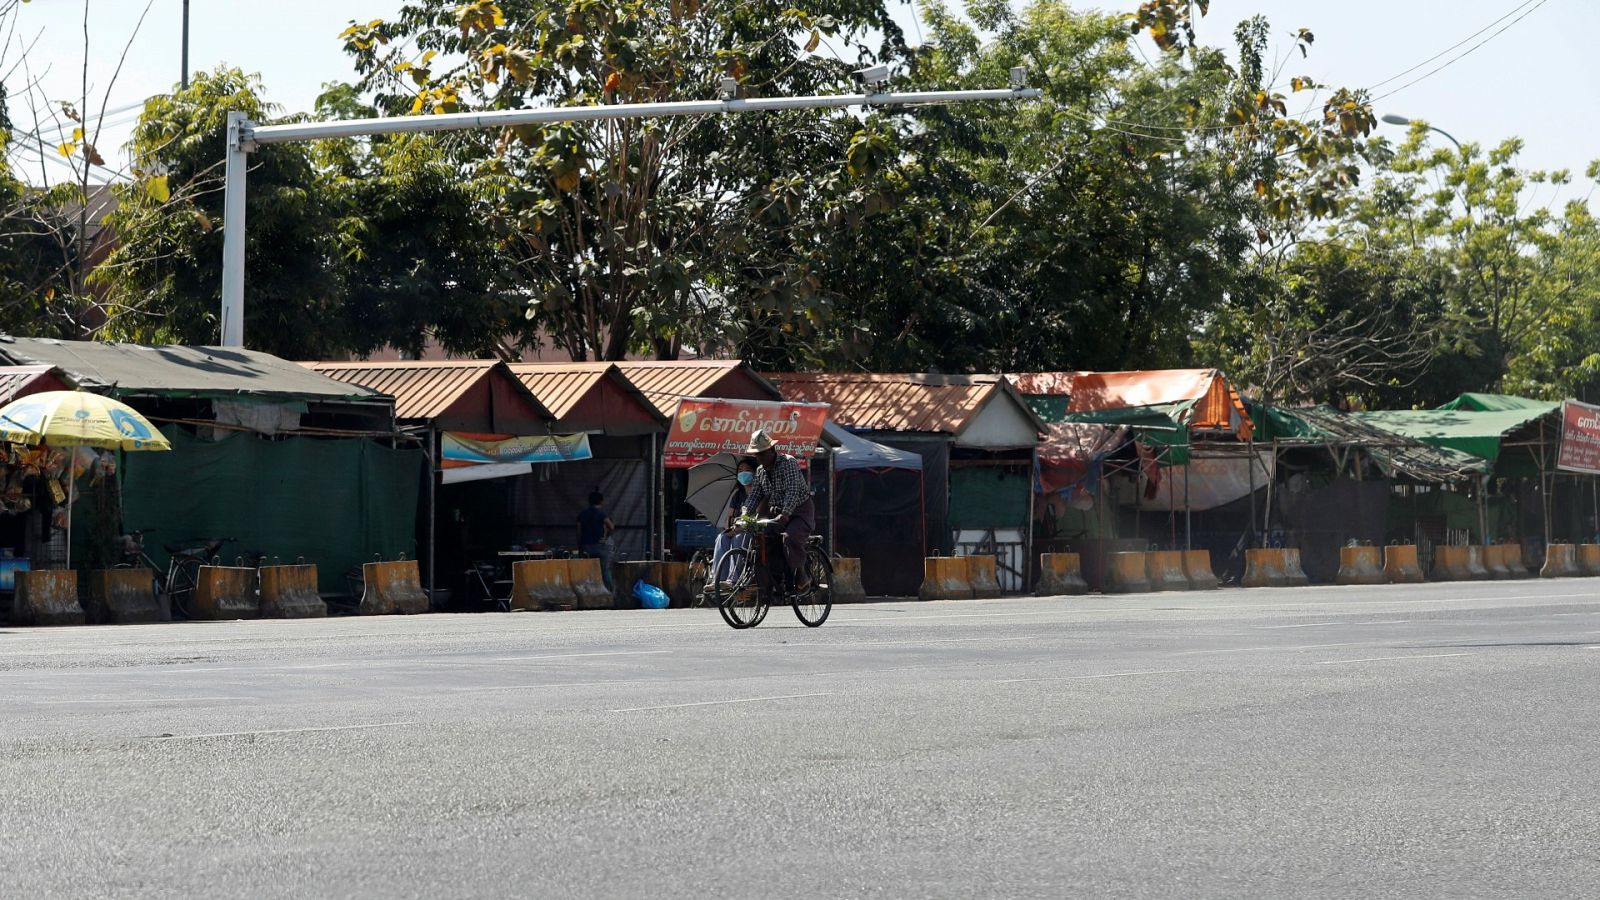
{"x": 650, "y": 596}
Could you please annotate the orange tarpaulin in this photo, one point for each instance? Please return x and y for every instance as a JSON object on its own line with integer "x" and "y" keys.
{"x": 1214, "y": 405}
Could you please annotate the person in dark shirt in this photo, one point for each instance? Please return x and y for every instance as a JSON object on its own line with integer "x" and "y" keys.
{"x": 781, "y": 489}
{"x": 594, "y": 535}
{"x": 726, "y": 572}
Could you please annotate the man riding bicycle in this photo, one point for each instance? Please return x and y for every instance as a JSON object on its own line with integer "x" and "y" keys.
{"x": 781, "y": 487}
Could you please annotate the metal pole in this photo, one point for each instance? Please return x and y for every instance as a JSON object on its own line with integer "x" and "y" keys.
{"x": 184, "y": 80}
{"x": 1483, "y": 510}
{"x": 235, "y": 175}
{"x": 244, "y": 136}
{"x": 433, "y": 510}
{"x": 1188, "y": 514}
{"x": 1253, "y": 457}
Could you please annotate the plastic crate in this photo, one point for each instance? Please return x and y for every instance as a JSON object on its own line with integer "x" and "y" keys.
{"x": 695, "y": 533}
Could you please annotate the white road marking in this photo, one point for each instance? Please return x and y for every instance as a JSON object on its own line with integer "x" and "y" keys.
{"x": 218, "y": 734}
{"x": 1336, "y": 662}
{"x": 577, "y": 655}
{"x": 1306, "y": 625}
{"x": 1086, "y": 677}
{"x": 722, "y": 702}
{"x": 144, "y": 700}
{"x": 845, "y": 646}
{"x": 1255, "y": 649}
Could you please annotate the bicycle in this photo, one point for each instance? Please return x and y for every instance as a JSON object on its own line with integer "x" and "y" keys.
{"x": 131, "y": 555}
{"x": 183, "y": 570}
{"x": 762, "y": 579}
{"x": 714, "y": 591}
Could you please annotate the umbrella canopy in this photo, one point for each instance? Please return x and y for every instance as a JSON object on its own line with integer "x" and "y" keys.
{"x": 77, "y": 419}
{"x": 712, "y": 483}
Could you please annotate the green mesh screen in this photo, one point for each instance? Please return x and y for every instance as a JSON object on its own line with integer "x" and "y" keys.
{"x": 336, "y": 502}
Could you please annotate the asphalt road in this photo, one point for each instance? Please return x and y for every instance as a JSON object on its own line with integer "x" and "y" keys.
{"x": 1429, "y": 741}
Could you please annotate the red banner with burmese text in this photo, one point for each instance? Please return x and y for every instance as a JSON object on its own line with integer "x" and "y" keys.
{"x": 1580, "y": 438}
{"x": 703, "y": 428}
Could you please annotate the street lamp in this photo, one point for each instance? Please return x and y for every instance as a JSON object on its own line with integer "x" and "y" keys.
{"x": 1393, "y": 119}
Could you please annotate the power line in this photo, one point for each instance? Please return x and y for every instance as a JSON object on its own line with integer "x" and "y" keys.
{"x": 1464, "y": 55}
{"x": 1398, "y": 75}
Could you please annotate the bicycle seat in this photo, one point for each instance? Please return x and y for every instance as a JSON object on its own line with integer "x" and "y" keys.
{"x": 814, "y": 541}
{"x": 174, "y": 548}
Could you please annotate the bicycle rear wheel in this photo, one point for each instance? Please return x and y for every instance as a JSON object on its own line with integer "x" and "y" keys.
{"x": 812, "y": 607}
{"x": 745, "y": 605}
{"x": 185, "y": 577}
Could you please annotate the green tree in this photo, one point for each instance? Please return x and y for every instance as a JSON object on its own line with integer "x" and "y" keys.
{"x": 634, "y": 234}
{"x": 163, "y": 280}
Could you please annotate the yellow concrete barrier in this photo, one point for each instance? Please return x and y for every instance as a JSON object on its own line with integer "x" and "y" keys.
{"x": 1477, "y": 568}
{"x": 1514, "y": 563}
{"x": 1273, "y": 567}
{"x": 590, "y": 588}
{"x": 1494, "y": 560}
{"x": 1127, "y": 573}
{"x": 225, "y": 592}
{"x": 1400, "y": 564}
{"x": 945, "y": 578}
{"x": 392, "y": 588}
{"x": 1589, "y": 560}
{"x": 1450, "y": 564}
{"x": 1061, "y": 575}
{"x": 1359, "y": 565}
{"x": 983, "y": 575}
{"x": 625, "y": 574}
{"x": 290, "y": 592}
{"x": 1164, "y": 569}
{"x": 847, "y": 586}
{"x": 1197, "y": 566}
{"x": 123, "y": 597}
{"x": 46, "y": 597}
{"x": 1560, "y": 561}
{"x": 541, "y": 584}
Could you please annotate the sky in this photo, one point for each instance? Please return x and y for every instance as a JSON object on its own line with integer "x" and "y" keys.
{"x": 1535, "y": 79}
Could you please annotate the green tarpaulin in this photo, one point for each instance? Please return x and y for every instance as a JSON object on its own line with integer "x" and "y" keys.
{"x": 335, "y": 502}
{"x": 1477, "y": 433}
{"x": 1498, "y": 403}
{"x": 985, "y": 497}
{"x": 1396, "y": 452}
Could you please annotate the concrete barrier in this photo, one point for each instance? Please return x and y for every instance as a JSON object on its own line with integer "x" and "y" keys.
{"x": 123, "y": 597}
{"x": 589, "y": 588}
{"x": 1197, "y": 566}
{"x": 678, "y": 581}
{"x": 1360, "y": 565}
{"x": 1400, "y": 565}
{"x": 225, "y": 592}
{"x": 1589, "y": 560}
{"x": 1164, "y": 569}
{"x": 1514, "y": 562}
{"x": 1273, "y": 567}
{"x": 539, "y": 584}
{"x": 46, "y": 597}
{"x": 1061, "y": 575}
{"x": 290, "y": 592}
{"x": 625, "y": 574}
{"x": 1477, "y": 569}
{"x": 1560, "y": 561}
{"x": 393, "y": 588}
{"x": 1127, "y": 573}
{"x": 847, "y": 586}
{"x": 945, "y": 578}
{"x": 1494, "y": 561}
{"x": 1450, "y": 564}
{"x": 983, "y": 575}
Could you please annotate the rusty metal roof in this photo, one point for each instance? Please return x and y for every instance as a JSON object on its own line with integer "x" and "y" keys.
{"x": 664, "y": 383}
{"x": 938, "y": 404}
{"x": 561, "y": 386}
{"x": 16, "y": 380}
{"x": 422, "y": 389}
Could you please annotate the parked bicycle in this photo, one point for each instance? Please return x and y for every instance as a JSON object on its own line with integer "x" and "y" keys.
{"x": 763, "y": 580}
{"x": 183, "y": 570}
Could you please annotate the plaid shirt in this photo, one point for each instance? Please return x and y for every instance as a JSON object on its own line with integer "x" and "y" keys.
{"x": 783, "y": 487}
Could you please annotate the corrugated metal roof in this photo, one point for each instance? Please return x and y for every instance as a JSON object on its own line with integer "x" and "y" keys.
{"x": 560, "y": 386}
{"x": 176, "y": 371}
{"x": 422, "y": 389}
{"x": 938, "y": 404}
{"x": 664, "y": 383}
{"x": 14, "y": 379}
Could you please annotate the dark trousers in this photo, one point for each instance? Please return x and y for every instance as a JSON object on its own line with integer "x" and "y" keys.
{"x": 797, "y": 532}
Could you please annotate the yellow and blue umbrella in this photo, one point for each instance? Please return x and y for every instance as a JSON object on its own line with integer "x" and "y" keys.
{"x": 78, "y": 419}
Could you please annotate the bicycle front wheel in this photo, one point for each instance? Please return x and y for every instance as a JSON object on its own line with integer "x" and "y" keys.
{"x": 812, "y": 607}
{"x": 745, "y": 605}
{"x": 181, "y": 584}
